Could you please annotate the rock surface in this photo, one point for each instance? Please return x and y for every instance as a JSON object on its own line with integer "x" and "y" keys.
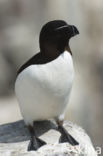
{"x": 14, "y": 139}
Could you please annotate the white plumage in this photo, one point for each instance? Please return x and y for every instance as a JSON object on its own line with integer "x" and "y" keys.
{"x": 43, "y": 90}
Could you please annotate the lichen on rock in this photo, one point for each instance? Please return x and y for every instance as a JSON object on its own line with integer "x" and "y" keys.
{"x": 14, "y": 139}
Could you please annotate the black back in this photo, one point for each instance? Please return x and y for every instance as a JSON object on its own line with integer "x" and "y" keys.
{"x": 37, "y": 59}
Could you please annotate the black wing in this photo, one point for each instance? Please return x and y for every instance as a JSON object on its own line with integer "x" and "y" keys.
{"x": 37, "y": 59}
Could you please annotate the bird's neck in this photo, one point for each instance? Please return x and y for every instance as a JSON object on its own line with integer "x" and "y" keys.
{"x": 67, "y": 48}
{"x": 51, "y": 52}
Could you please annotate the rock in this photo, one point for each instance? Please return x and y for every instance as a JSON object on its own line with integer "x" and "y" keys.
{"x": 14, "y": 139}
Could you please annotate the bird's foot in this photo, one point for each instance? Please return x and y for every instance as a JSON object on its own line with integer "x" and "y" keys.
{"x": 66, "y": 137}
{"x": 35, "y": 144}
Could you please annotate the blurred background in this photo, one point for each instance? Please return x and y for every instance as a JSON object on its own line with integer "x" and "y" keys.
{"x": 20, "y": 24}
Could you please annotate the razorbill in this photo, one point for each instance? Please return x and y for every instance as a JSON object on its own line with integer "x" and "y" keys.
{"x": 43, "y": 84}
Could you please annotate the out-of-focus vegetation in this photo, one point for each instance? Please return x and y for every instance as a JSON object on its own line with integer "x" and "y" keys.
{"x": 20, "y": 24}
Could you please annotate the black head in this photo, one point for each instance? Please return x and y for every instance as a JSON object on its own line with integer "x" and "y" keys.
{"x": 57, "y": 33}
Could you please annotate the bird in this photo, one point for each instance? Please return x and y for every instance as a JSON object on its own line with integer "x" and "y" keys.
{"x": 43, "y": 84}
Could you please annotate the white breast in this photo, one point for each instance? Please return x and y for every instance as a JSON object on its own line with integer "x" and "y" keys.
{"x": 43, "y": 90}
